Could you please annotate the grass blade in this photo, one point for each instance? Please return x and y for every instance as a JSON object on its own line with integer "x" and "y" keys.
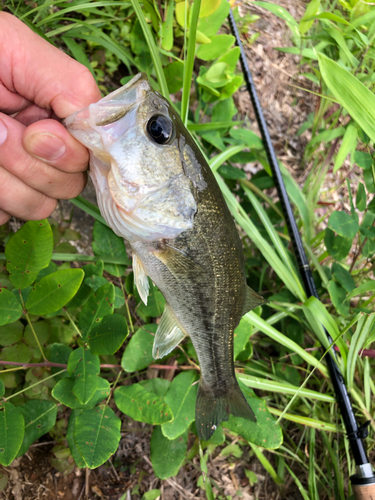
{"x": 189, "y": 62}
{"x": 152, "y": 47}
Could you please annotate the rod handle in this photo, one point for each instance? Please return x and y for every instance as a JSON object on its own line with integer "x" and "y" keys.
{"x": 364, "y": 491}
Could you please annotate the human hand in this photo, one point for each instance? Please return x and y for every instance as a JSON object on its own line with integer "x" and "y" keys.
{"x": 39, "y": 160}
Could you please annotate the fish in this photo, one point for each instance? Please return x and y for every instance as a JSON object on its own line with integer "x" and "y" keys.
{"x": 155, "y": 189}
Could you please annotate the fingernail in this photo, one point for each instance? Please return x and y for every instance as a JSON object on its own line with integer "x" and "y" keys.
{"x": 3, "y": 132}
{"x": 46, "y": 146}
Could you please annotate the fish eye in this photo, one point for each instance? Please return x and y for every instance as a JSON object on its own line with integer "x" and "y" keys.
{"x": 160, "y": 129}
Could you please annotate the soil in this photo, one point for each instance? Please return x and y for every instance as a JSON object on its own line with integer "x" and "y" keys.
{"x": 130, "y": 474}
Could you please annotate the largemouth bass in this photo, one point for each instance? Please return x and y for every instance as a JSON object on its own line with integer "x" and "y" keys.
{"x": 155, "y": 189}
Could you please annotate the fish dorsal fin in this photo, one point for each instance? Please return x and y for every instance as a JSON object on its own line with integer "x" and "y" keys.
{"x": 140, "y": 278}
{"x": 252, "y": 300}
{"x": 179, "y": 264}
{"x": 168, "y": 335}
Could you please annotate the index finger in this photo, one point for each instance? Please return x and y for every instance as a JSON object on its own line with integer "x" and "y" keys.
{"x": 41, "y": 73}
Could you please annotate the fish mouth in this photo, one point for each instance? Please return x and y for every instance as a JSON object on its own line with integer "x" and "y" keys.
{"x": 85, "y": 125}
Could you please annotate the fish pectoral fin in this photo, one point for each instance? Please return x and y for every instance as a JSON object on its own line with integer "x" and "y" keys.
{"x": 140, "y": 278}
{"x": 168, "y": 335}
{"x": 179, "y": 264}
{"x": 252, "y": 300}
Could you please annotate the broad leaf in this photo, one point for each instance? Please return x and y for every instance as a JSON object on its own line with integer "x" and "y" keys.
{"x": 40, "y": 417}
{"x": 108, "y": 336}
{"x": 360, "y": 200}
{"x": 99, "y": 305}
{"x": 241, "y": 336}
{"x": 343, "y": 224}
{"x": 84, "y": 292}
{"x": 337, "y": 246}
{"x": 28, "y": 251}
{"x": 135, "y": 401}
{"x": 63, "y": 392}
{"x": 264, "y": 432}
{"x": 158, "y": 386}
{"x": 155, "y": 303}
{"x": 343, "y": 277}
{"x": 10, "y": 308}
{"x": 12, "y": 430}
{"x": 181, "y": 398}
{"x": 167, "y": 455}
{"x": 138, "y": 353}
{"x": 84, "y": 367}
{"x": 11, "y": 334}
{"x": 54, "y": 291}
{"x": 338, "y": 295}
{"x": 106, "y": 243}
{"x": 70, "y": 438}
{"x": 97, "y": 435}
{"x": 218, "y": 46}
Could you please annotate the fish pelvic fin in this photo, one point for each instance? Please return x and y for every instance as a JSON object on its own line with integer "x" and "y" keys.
{"x": 168, "y": 335}
{"x": 140, "y": 279}
{"x": 211, "y": 410}
{"x": 252, "y": 300}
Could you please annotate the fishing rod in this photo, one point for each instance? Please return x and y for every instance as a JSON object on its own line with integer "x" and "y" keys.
{"x": 363, "y": 482}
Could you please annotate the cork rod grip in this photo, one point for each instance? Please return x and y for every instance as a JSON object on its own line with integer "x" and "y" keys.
{"x": 364, "y": 492}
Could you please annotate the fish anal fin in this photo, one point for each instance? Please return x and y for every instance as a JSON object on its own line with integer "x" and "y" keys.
{"x": 140, "y": 278}
{"x": 252, "y": 300}
{"x": 168, "y": 335}
{"x": 213, "y": 409}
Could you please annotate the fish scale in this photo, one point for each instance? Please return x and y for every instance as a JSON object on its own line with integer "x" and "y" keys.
{"x": 182, "y": 234}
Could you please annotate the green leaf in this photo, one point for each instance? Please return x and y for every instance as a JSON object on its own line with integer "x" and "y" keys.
{"x": 232, "y": 449}
{"x": 155, "y": 303}
{"x": 357, "y": 99}
{"x": 84, "y": 292}
{"x": 158, "y": 386}
{"x": 337, "y": 246}
{"x": 119, "y": 298}
{"x": 138, "y": 353}
{"x": 264, "y": 432}
{"x": 106, "y": 242}
{"x": 59, "y": 353}
{"x": 282, "y": 14}
{"x": 368, "y": 286}
{"x": 84, "y": 367}
{"x": 12, "y": 430}
{"x": 151, "y": 495}
{"x": 99, "y": 305}
{"x": 40, "y": 417}
{"x": 28, "y": 251}
{"x": 363, "y": 159}
{"x": 167, "y": 455}
{"x": 311, "y": 10}
{"x": 135, "y": 401}
{"x": 108, "y": 336}
{"x": 42, "y": 330}
{"x": 211, "y": 24}
{"x": 360, "y": 200}
{"x": 248, "y": 137}
{"x": 181, "y": 398}
{"x": 97, "y": 435}
{"x": 218, "y": 46}
{"x": 241, "y": 335}
{"x": 343, "y": 224}
{"x": 338, "y": 296}
{"x": 10, "y": 308}
{"x": 54, "y": 291}
{"x": 2, "y": 388}
{"x": 348, "y": 145}
{"x": 174, "y": 73}
{"x": 167, "y": 29}
{"x": 19, "y": 352}
{"x": 70, "y": 438}
{"x": 343, "y": 277}
{"x": 63, "y": 392}
{"x": 11, "y": 334}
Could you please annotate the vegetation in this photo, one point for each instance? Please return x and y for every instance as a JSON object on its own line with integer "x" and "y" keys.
{"x": 54, "y": 316}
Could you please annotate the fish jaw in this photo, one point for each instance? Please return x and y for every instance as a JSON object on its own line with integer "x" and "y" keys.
{"x": 138, "y": 201}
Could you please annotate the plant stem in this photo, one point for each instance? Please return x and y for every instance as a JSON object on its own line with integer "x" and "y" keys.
{"x": 32, "y": 329}
{"x": 33, "y": 385}
{"x": 73, "y": 323}
{"x": 127, "y": 308}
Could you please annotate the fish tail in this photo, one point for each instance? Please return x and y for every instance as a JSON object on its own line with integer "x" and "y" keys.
{"x": 212, "y": 409}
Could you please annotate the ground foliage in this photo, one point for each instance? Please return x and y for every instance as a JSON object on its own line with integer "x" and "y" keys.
{"x": 72, "y": 322}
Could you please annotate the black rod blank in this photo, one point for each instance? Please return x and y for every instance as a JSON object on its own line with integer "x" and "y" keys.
{"x": 355, "y": 434}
